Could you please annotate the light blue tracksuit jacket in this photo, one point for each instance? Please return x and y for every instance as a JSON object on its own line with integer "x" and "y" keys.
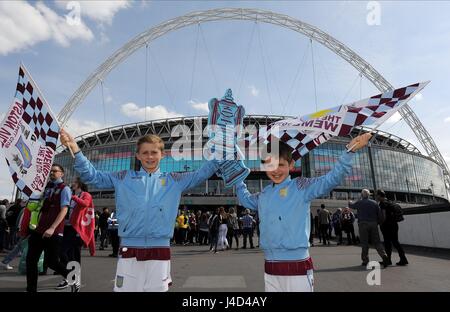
{"x": 284, "y": 210}
{"x": 146, "y": 204}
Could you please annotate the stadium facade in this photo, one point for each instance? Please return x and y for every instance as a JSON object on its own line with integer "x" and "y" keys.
{"x": 389, "y": 163}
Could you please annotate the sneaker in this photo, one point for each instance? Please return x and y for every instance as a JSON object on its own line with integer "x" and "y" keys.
{"x": 63, "y": 285}
{"x": 6, "y": 266}
{"x": 384, "y": 264}
{"x": 402, "y": 262}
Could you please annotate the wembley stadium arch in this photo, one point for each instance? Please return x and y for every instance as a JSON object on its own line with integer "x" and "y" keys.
{"x": 262, "y": 16}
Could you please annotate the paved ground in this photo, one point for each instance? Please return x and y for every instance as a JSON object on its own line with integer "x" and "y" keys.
{"x": 194, "y": 268}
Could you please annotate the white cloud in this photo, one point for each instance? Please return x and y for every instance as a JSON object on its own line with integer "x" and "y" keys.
{"x": 418, "y": 97}
{"x": 131, "y": 109}
{"x": 145, "y": 3}
{"x": 6, "y": 183}
{"x": 253, "y": 90}
{"x": 78, "y": 127}
{"x": 24, "y": 25}
{"x": 99, "y": 11}
{"x": 447, "y": 119}
{"x": 199, "y": 106}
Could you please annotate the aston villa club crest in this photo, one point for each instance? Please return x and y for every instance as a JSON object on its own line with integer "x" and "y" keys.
{"x": 25, "y": 152}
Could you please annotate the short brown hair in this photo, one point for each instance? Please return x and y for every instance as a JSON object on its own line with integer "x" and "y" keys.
{"x": 150, "y": 138}
{"x": 59, "y": 166}
{"x": 284, "y": 151}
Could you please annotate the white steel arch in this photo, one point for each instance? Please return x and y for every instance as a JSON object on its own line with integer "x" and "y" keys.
{"x": 262, "y": 16}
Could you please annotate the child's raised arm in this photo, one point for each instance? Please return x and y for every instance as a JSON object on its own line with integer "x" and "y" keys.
{"x": 247, "y": 199}
{"x": 88, "y": 173}
{"x": 187, "y": 180}
{"x": 316, "y": 187}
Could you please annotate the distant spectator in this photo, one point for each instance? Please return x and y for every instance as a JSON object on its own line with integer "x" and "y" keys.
{"x": 347, "y": 220}
{"x": 369, "y": 216}
{"x": 389, "y": 227}
{"x": 247, "y": 228}
{"x": 324, "y": 219}
{"x": 336, "y": 220}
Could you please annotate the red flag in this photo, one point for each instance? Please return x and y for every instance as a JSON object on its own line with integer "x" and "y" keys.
{"x": 83, "y": 219}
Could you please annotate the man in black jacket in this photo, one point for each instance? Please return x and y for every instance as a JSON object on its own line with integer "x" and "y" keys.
{"x": 389, "y": 228}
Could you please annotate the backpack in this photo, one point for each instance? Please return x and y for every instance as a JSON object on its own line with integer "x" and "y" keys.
{"x": 215, "y": 223}
{"x": 398, "y": 212}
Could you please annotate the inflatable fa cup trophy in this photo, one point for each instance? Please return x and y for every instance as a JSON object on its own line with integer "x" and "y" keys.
{"x": 225, "y": 123}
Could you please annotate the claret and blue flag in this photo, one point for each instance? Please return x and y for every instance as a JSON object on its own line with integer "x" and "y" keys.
{"x": 28, "y": 137}
{"x": 307, "y": 132}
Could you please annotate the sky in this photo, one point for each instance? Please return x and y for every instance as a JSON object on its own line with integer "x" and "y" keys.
{"x": 271, "y": 70}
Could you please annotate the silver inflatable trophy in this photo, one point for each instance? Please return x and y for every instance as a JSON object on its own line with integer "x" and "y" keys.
{"x": 225, "y": 123}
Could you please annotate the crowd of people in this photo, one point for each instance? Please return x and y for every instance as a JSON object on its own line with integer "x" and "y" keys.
{"x": 217, "y": 228}
{"x": 341, "y": 221}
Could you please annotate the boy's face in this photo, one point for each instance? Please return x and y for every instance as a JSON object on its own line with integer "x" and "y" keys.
{"x": 149, "y": 155}
{"x": 56, "y": 173}
{"x": 278, "y": 169}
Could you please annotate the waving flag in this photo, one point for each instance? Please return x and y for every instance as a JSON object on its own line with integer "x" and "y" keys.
{"x": 307, "y": 132}
{"x": 28, "y": 136}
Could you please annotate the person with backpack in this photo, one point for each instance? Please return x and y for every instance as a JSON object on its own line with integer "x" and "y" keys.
{"x": 393, "y": 214}
{"x": 347, "y": 220}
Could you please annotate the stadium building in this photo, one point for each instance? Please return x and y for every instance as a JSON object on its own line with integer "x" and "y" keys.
{"x": 389, "y": 163}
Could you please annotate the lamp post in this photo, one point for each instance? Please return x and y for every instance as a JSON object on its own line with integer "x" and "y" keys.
{"x": 432, "y": 189}
{"x": 409, "y": 193}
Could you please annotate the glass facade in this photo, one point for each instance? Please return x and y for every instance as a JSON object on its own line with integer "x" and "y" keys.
{"x": 395, "y": 171}
{"x": 410, "y": 176}
{"x": 323, "y": 158}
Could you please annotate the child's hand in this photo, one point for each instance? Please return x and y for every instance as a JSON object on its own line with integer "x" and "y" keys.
{"x": 68, "y": 141}
{"x": 359, "y": 142}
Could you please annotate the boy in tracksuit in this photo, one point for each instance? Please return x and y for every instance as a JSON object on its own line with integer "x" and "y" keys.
{"x": 146, "y": 204}
{"x": 284, "y": 211}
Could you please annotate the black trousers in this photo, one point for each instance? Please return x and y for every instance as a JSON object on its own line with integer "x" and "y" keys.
{"x": 230, "y": 234}
{"x": 71, "y": 246}
{"x": 390, "y": 236}
{"x": 248, "y": 232}
{"x": 202, "y": 237}
{"x": 115, "y": 241}
{"x": 51, "y": 247}
{"x": 349, "y": 229}
{"x": 324, "y": 233}
{"x": 103, "y": 237}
